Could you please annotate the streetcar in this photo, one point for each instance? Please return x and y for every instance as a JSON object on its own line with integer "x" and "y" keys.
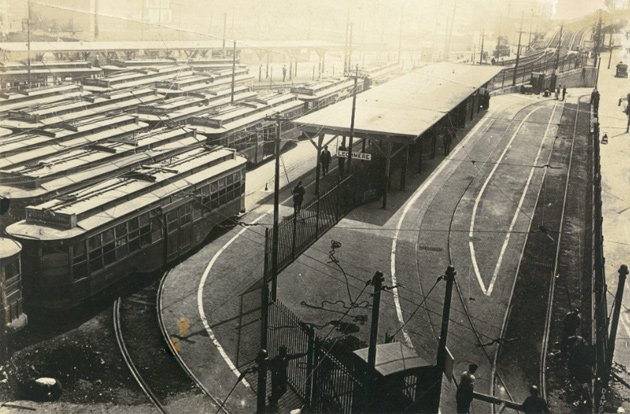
{"x": 28, "y": 180}
{"x": 622, "y": 70}
{"x": 10, "y": 274}
{"x": 245, "y": 126}
{"x": 317, "y": 95}
{"x": 78, "y": 244}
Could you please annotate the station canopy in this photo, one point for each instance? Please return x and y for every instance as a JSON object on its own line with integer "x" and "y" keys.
{"x": 402, "y": 109}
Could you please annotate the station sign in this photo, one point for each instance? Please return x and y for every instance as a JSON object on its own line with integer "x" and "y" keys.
{"x": 355, "y": 155}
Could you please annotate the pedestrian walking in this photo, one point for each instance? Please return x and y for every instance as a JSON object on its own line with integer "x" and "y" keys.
{"x": 278, "y": 366}
{"x": 298, "y": 197}
{"x": 580, "y": 356}
{"x": 570, "y": 325}
{"x": 557, "y": 93}
{"x": 284, "y": 73}
{"x": 595, "y": 99}
{"x": 324, "y": 159}
{"x": 341, "y": 160}
{"x": 534, "y": 404}
{"x": 564, "y": 92}
{"x": 464, "y": 395}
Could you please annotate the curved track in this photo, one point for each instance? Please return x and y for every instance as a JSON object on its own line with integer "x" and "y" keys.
{"x": 129, "y": 361}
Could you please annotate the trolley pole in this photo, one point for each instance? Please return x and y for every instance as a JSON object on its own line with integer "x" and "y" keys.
{"x": 623, "y": 272}
{"x": 233, "y": 72}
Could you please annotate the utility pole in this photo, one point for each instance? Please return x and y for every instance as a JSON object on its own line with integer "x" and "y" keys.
{"x": 224, "y": 31}
{"x": 276, "y": 208}
{"x": 262, "y": 354}
{"x": 483, "y": 36}
{"x": 95, "y": 19}
{"x": 350, "y": 47}
{"x": 449, "y": 276}
{"x": 518, "y": 51}
{"x": 610, "y": 48}
{"x": 599, "y": 35}
{"x": 233, "y": 72}
{"x": 28, "y": 42}
{"x": 354, "y": 109}
{"x": 623, "y": 272}
{"x": 558, "y": 51}
{"x": 4, "y": 348}
{"x": 345, "y": 54}
{"x": 377, "y": 282}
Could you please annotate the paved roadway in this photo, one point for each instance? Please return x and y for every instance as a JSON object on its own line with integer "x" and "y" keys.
{"x": 473, "y": 210}
{"x": 616, "y": 190}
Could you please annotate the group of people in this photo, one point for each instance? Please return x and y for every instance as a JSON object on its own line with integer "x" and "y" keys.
{"x": 561, "y": 90}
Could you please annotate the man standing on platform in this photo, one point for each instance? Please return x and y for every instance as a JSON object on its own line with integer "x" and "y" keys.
{"x": 341, "y": 159}
{"x": 324, "y": 159}
{"x": 465, "y": 389}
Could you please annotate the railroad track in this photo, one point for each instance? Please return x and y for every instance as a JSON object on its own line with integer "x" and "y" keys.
{"x": 143, "y": 346}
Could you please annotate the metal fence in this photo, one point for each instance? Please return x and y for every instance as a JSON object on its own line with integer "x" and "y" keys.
{"x": 297, "y": 232}
{"x": 512, "y": 76}
{"x": 600, "y": 315}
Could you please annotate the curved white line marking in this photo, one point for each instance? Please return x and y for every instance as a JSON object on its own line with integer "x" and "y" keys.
{"x": 408, "y": 205}
{"x": 520, "y": 205}
{"x": 473, "y": 255}
{"x": 202, "y": 313}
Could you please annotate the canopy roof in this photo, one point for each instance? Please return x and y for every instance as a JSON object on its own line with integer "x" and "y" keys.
{"x": 404, "y": 108}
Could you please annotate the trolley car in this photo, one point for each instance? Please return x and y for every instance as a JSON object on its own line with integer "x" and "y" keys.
{"x": 78, "y": 244}
{"x": 11, "y": 286}
{"x": 320, "y": 94}
{"x": 244, "y": 126}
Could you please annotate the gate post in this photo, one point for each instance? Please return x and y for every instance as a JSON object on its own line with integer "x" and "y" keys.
{"x": 310, "y": 357}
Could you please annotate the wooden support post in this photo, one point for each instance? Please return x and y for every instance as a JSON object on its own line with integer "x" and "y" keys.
{"x": 403, "y": 172}
{"x": 320, "y": 140}
{"x": 386, "y": 177}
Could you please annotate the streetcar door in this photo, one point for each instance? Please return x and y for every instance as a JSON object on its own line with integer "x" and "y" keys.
{"x": 172, "y": 227}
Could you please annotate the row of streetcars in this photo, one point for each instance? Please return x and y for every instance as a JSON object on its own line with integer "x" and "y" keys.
{"x": 94, "y": 196}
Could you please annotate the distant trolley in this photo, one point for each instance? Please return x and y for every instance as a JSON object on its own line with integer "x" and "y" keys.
{"x": 79, "y": 244}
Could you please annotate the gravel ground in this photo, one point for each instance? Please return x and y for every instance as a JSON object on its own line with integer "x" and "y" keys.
{"x": 86, "y": 361}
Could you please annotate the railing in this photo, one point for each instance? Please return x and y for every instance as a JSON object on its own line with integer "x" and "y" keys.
{"x": 600, "y": 316}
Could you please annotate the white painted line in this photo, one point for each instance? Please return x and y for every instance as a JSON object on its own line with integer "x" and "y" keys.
{"x": 520, "y": 205}
{"x": 202, "y": 313}
{"x": 408, "y": 205}
{"x": 473, "y": 255}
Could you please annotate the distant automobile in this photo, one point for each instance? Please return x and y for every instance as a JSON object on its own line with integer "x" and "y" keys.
{"x": 622, "y": 70}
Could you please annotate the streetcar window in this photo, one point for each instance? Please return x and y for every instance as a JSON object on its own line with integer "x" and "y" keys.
{"x": 214, "y": 187}
{"x": 109, "y": 253}
{"x": 108, "y": 236}
{"x": 133, "y": 228}
{"x": 144, "y": 220}
{"x": 230, "y": 179}
{"x": 121, "y": 230}
{"x": 156, "y": 227}
{"x": 185, "y": 215}
{"x": 79, "y": 270}
{"x": 221, "y": 183}
{"x": 79, "y": 251}
{"x": 11, "y": 270}
{"x": 171, "y": 221}
{"x": 134, "y": 245}
{"x": 94, "y": 242}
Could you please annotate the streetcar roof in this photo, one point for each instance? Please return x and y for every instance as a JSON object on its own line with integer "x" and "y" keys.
{"x": 85, "y": 156}
{"x": 403, "y": 108}
{"x": 109, "y": 200}
{"x": 9, "y": 247}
